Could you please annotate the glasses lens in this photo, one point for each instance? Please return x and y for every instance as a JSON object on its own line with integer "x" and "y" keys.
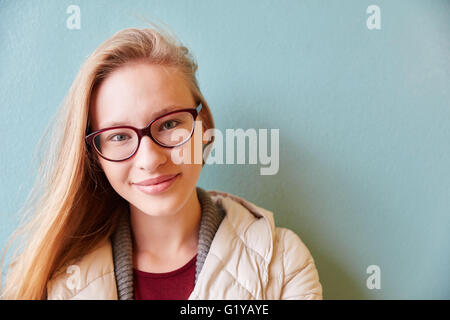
{"x": 116, "y": 144}
{"x": 173, "y": 129}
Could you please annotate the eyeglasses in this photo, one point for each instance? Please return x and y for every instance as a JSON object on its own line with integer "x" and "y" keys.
{"x": 121, "y": 143}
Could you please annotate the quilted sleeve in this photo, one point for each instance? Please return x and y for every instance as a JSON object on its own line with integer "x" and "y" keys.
{"x": 301, "y": 278}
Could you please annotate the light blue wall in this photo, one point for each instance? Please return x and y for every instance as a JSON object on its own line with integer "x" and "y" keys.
{"x": 364, "y": 119}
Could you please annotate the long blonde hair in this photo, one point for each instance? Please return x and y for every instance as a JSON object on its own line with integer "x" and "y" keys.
{"x": 71, "y": 206}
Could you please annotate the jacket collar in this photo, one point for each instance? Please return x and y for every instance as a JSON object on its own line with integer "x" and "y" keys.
{"x": 241, "y": 250}
{"x": 122, "y": 245}
{"x": 246, "y": 217}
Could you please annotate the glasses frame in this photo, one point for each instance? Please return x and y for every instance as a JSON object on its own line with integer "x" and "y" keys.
{"x": 143, "y": 132}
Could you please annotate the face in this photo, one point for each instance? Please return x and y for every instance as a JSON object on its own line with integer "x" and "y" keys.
{"x": 134, "y": 94}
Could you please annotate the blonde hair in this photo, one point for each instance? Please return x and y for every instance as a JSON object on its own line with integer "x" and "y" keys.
{"x": 72, "y": 205}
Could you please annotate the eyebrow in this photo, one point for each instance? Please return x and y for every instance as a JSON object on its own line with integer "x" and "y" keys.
{"x": 154, "y": 116}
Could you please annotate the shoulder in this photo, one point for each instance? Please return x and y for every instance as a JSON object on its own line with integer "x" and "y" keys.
{"x": 298, "y": 272}
{"x": 293, "y": 250}
{"x": 88, "y": 277}
{"x": 249, "y": 225}
{"x": 256, "y": 226}
{"x": 279, "y": 251}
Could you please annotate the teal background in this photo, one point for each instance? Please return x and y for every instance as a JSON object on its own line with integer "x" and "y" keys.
{"x": 364, "y": 119}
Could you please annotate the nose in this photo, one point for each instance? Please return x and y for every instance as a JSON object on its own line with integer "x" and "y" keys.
{"x": 150, "y": 155}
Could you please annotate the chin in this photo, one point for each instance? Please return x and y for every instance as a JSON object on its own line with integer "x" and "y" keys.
{"x": 160, "y": 205}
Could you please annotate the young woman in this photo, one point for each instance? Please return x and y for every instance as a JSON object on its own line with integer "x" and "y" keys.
{"x": 116, "y": 217}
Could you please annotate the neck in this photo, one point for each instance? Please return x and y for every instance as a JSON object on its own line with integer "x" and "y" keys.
{"x": 167, "y": 235}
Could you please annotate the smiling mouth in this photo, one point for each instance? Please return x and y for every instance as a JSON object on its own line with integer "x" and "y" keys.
{"x": 158, "y": 188}
{"x": 156, "y": 180}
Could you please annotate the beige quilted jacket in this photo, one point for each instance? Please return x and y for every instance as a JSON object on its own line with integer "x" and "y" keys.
{"x": 249, "y": 258}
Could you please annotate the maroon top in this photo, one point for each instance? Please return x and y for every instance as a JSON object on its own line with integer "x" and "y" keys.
{"x": 174, "y": 285}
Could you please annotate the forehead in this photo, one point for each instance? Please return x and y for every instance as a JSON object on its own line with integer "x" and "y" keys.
{"x": 136, "y": 92}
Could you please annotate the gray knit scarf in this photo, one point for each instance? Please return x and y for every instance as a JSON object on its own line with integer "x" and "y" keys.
{"x": 212, "y": 216}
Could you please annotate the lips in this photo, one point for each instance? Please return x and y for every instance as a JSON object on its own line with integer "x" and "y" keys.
{"x": 158, "y": 188}
{"x": 156, "y": 180}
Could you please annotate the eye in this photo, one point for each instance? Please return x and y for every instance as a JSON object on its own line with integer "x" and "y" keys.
{"x": 169, "y": 124}
{"x": 117, "y": 135}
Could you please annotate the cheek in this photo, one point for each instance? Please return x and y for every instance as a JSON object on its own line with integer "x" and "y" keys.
{"x": 116, "y": 175}
{"x": 191, "y": 166}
